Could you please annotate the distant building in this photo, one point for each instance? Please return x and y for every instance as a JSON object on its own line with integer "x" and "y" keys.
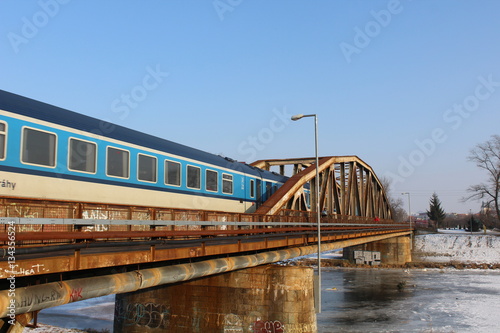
{"x": 421, "y": 220}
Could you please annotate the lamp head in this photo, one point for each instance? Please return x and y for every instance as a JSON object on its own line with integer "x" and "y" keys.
{"x": 297, "y": 117}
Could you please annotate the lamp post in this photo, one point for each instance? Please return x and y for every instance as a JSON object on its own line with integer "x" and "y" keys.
{"x": 409, "y": 216}
{"x": 318, "y": 217}
{"x": 470, "y": 219}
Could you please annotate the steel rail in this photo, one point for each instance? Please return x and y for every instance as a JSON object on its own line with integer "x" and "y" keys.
{"x": 76, "y": 235}
{"x": 171, "y": 242}
{"x": 85, "y": 222}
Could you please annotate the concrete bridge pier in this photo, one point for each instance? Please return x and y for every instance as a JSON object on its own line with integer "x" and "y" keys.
{"x": 261, "y": 299}
{"x": 390, "y": 251}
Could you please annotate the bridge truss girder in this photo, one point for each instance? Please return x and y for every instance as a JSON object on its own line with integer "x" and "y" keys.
{"x": 347, "y": 186}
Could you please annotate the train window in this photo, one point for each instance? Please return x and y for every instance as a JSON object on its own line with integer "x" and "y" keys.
{"x": 227, "y": 183}
{"x": 252, "y": 188}
{"x": 3, "y": 139}
{"x": 38, "y": 147}
{"x": 117, "y": 162}
{"x": 193, "y": 177}
{"x": 172, "y": 173}
{"x": 211, "y": 181}
{"x": 146, "y": 170}
{"x": 82, "y": 155}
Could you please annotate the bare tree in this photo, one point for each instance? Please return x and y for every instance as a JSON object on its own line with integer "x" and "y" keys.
{"x": 396, "y": 204}
{"x": 487, "y": 157}
{"x": 486, "y": 215}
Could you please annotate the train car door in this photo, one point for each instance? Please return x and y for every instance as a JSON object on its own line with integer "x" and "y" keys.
{"x": 258, "y": 192}
{"x": 269, "y": 190}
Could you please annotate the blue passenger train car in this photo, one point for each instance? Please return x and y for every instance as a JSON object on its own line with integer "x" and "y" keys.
{"x": 47, "y": 152}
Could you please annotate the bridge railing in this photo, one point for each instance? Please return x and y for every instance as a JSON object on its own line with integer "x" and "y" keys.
{"x": 202, "y": 230}
{"x": 147, "y": 219}
{"x": 308, "y": 216}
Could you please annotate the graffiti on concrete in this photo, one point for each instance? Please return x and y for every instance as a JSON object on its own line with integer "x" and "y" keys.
{"x": 233, "y": 324}
{"x": 159, "y": 316}
{"x": 268, "y": 327}
{"x": 148, "y": 315}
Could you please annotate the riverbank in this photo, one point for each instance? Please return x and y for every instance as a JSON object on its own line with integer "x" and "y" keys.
{"x": 452, "y": 247}
{"x": 445, "y": 249}
{"x": 42, "y": 328}
{"x": 417, "y": 265}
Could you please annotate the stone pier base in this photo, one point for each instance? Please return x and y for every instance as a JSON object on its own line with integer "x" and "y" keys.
{"x": 261, "y": 299}
{"x": 393, "y": 251}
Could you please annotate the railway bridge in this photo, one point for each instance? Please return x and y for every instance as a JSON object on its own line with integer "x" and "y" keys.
{"x": 57, "y": 252}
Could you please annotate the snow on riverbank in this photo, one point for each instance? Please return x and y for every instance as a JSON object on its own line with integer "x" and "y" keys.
{"x": 51, "y": 329}
{"x": 456, "y": 247}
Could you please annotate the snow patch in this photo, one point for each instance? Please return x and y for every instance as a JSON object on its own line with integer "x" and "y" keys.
{"x": 450, "y": 247}
{"x": 50, "y": 329}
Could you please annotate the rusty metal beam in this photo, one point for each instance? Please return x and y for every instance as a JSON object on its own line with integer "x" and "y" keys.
{"x": 294, "y": 184}
{"x": 82, "y": 258}
{"x": 38, "y": 297}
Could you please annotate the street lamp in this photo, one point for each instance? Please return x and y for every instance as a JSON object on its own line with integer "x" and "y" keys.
{"x": 409, "y": 216}
{"x": 318, "y": 217}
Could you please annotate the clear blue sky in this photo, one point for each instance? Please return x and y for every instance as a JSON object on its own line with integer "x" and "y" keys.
{"x": 408, "y": 86}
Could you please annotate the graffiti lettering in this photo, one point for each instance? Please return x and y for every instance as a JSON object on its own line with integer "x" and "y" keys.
{"x": 76, "y": 294}
{"x": 17, "y": 270}
{"x": 142, "y": 216}
{"x": 233, "y": 324}
{"x": 268, "y": 327}
{"x": 149, "y": 315}
{"x": 94, "y": 215}
{"x": 25, "y": 212}
{"x": 52, "y": 296}
{"x": 30, "y": 227}
{"x": 96, "y": 227}
{"x": 38, "y": 298}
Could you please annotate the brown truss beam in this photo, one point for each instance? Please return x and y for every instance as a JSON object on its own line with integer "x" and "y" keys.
{"x": 348, "y": 186}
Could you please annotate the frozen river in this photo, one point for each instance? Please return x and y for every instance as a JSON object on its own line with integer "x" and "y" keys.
{"x": 365, "y": 300}
{"x": 369, "y": 300}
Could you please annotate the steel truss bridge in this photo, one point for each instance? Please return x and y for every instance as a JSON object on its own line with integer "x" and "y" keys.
{"x": 61, "y": 247}
{"x": 347, "y": 186}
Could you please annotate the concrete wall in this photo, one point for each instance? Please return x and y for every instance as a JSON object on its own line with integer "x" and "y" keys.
{"x": 261, "y": 299}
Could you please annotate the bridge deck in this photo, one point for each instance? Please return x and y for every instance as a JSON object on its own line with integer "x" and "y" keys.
{"x": 82, "y": 250}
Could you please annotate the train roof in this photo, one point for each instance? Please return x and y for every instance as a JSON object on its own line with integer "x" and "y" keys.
{"x": 50, "y": 113}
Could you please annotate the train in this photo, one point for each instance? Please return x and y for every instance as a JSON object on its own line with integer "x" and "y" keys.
{"x": 51, "y": 153}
